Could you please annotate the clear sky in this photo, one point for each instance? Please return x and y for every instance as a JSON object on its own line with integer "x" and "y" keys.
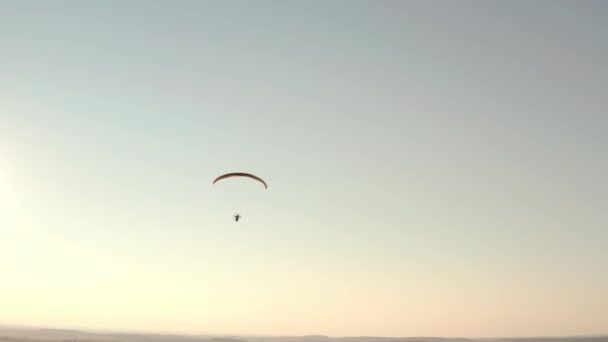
{"x": 434, "y": 167}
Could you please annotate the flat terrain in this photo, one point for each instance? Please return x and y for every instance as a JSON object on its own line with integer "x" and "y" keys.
{"x": 15, "y": 334}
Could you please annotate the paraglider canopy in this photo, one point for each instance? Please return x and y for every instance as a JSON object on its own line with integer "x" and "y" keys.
{"x": 241, "y": 174}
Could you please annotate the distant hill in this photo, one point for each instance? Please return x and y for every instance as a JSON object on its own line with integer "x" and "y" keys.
{"x": 315, "y": 336}
{"x": 557, "y": 339}
{"x": 33, "y": 334}
{"x": 66, "y": 331}
{"x": 226, "y": 339}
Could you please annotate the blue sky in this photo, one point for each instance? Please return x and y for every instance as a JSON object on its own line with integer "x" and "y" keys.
{"x": 434, "y": 168}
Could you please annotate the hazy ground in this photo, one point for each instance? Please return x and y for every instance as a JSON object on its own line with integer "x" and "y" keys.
{"x": 17, "y": 334}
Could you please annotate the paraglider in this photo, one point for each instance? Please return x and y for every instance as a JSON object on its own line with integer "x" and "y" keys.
{"x": 237, "y": 216}
{"x": 241, "y": 174}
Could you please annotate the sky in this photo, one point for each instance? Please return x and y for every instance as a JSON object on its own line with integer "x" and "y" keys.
{"x": 434, "y": 167}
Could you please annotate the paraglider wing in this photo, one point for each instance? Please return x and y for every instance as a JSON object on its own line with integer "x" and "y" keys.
{"x": 241, "y": 174}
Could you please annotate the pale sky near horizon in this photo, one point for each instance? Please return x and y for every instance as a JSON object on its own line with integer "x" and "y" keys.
{"x": 434, "y": 167}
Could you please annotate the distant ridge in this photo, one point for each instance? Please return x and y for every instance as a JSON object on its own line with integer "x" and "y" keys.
{"x": 66, "y": 331}
{"x": 14, "y": 333}
{"x": 315, "y": 336}
{"x": 226, "y": 339}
